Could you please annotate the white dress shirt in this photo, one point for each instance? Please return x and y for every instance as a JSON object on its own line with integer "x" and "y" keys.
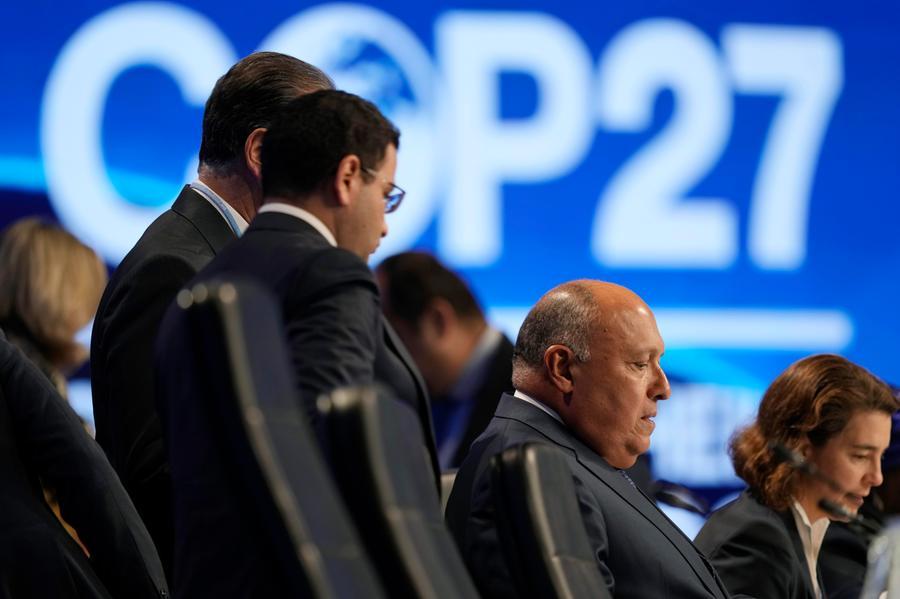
{"x": 221, "y": 207}
{"x": 304, "y": 215}
{"x": 538, "y": 405}
{"x": 811, "y": 536}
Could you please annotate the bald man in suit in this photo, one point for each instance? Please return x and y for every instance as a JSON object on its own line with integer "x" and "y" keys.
{"x": 588, "y": 380}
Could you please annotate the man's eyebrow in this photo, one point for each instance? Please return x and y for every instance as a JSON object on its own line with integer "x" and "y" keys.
{"x": 651, "y": 350}
{"x": 864, "y": 447}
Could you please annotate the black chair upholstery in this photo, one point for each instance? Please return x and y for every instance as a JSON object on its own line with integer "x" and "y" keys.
{"x": 270, "y": 462}
{"x": 380, "y": 462}
{"x": 540, "y": 526}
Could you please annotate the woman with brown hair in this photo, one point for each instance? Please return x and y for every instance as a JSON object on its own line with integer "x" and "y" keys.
{"x": 50, "y": 285}
{"x": 837, "y": 416}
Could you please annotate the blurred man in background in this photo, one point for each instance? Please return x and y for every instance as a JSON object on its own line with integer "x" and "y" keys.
{"x": 207, "y": 215}
{"x": 466, "y": 363}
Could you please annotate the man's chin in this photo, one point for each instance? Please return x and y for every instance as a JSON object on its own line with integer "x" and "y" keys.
{"x": 624, "y": 461}
{"x": 643, "y": 446}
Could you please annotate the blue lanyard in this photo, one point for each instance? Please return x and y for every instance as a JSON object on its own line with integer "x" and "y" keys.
{"x": 210, "y": 195}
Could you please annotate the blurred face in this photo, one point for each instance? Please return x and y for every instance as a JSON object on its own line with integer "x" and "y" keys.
{"x": 616, "y": 391}
{"x": 852, "y": 459}
{"x": 424, "y": 353}
{"x": 434, "y": 342}
{"x": 367, "y": 223}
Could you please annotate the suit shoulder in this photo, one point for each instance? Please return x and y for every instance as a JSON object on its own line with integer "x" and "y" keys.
{"x": 171, "y": 235}
{"x": 748, "y": 509}
{"x": 331, "y": 266}
{"x": 512, "y": 431}
{"x": 503, "y": 432}
{"x": 171, "y": 241}
{"x": 132, "y": 293}
{"x": 161, "y": 270}
{"x": 744, "y": 521}
{"x": 343, "y": 261}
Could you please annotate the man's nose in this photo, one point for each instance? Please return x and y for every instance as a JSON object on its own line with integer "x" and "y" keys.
{"x": 660, "y": 388}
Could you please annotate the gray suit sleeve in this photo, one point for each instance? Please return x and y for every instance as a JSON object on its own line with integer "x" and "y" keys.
{"x": 595, "y": 527}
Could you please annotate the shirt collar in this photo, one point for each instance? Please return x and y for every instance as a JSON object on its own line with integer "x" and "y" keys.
{"x": 538, "y": 405}
{"x": 221, "y": 205}
{"x": 801, "y": 514}
{"x": 811, "y": 537}
{"x": 304, "y": 215}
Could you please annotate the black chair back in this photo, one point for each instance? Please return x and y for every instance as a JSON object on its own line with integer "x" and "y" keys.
{"x": 540, "y": 526}
{"x": 236, "y": 374}
{"x": 379, "y": 459}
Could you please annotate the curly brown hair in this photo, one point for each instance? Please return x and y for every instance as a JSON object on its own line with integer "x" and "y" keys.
{"x": 812, "y": 400}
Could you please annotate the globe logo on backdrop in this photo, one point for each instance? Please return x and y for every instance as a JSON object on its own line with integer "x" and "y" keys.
{"x": 372, "y": 54}
{"x": 365, "y": 50}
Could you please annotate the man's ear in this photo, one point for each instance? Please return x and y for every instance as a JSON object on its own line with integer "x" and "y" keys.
{"x": 253, "y": 150}
{"x": 345, "y": 180}
{"x": 437, "y": 319}
{"x": 558, "y": 362}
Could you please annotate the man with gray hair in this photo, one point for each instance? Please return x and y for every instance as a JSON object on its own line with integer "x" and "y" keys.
{"x": 588, "y": 379}
{"x": 208, "y": 215}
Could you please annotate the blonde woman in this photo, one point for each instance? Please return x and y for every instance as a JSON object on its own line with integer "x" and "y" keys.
{"x": 50, "y": 285}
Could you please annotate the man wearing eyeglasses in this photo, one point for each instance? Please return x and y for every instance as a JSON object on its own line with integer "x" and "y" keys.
{"x": 328, "y": 166}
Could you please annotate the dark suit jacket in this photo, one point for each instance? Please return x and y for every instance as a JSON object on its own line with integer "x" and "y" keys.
{"x": 331, "y": 310}
{"x": 42, "y": 441}
{"x": 639, "y": 551}
{"x": 843, "y": 560}
{"x": 757, "y": 551}
{"x": 497, "y": 380}
{"x": 336, "y": 336}
{"x": 169, "y": 253}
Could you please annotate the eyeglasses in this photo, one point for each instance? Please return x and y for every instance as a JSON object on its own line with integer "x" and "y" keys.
{"x": 393, "y": 198}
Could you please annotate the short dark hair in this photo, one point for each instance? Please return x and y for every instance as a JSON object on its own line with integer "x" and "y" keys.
{"x": 249, "y": 96}
{"x": 813, "y": 399}
{"x": 415, "y": 279}
{"x": 306, "y": 143}
{"x": 564, "y": 316}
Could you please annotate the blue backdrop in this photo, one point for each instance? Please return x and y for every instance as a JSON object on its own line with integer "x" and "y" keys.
{"x": 736, "y": 165}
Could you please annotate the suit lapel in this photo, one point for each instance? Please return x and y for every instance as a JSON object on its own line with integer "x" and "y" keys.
{"x": 788, "y": 518}
{"x": 204, "y": 217}
{"x": 612, "y": 478}
{"x": 647, "y": 508}
{"x": 395, "y": 345}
